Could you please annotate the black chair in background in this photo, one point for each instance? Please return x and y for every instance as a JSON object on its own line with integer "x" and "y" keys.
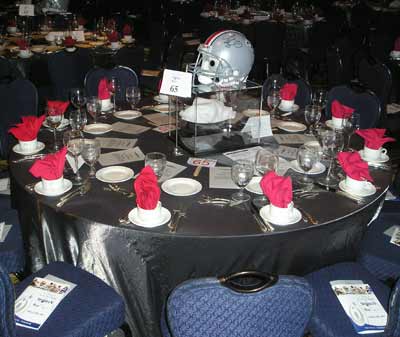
{"x": 179, "y": 53}
{"x": 380, "y": 44}
{"x": 8, "y": 71}
{"x": 363, "y": 101}
{"x": 131, "y": 57}
{"x": 18, "y": 98}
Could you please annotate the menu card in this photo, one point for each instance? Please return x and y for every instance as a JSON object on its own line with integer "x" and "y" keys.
{"x": 396, "y": 237}
{"x": 258, "y": 127}
{"x": 247, "y": 154}
{"x": 158, "y": 118}
{"x": 4, "y": 230}
{"x": 5, "y": 186}
{"x": 38, "y": 301}
{"x": 117, "y": 143}
{"x": 220, "y": 177}
{"x": 132, "y": 129}
{"x": 361, "y": 305}
{"x": 171, "y": 170}
{"x": 293, "y": 138}
{"x": 121, "y": 157}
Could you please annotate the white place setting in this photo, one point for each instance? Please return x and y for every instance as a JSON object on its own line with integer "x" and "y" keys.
{"x": 115, "y": 174}
{"x": 181, "y": 187}
{"x": 97, "y": 128}
{"x": 26, "y": 150}
{"x": 51, "y": 188}
{"x": 127, "y": 114}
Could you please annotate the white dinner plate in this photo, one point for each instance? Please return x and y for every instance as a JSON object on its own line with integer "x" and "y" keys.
{"x": 383, "y": 159}
{"x": 161, "y": 99}
{"x": 97, "y": 128}
{"x": 292, "y": 126}
{"x": 163, "y": 108}
{"x": 63, "y": 125}
{"x": 318, "y": 168}
{"x": 127, "y": 114}
{"x": 265, "y": 214}
{"x": 254, "y": 112}
{"x": 329, "y": 124}
{"x": 254, "y": 186}
{"x": 17, "y": 149}
{"x": 114, "y": 174}
{"x": 164, "y": 218}
{"x": 181, "y": 187}
{"x": 293, "y": 108}
{"x": 368, "y": 190}
{"x": 38, "y": 188}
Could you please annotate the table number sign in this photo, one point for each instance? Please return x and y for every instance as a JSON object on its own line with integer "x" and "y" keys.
{"x": 202, "y": 162}
{"x": 176, "y": 83}
{"x": 26, "y": 10}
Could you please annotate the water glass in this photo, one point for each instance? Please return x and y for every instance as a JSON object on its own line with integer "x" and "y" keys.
{"x": 77, "y": 119}
{"x": 93, "y": 107}
{"x": 132, "y": 95}
{"x": 306, "y": 159}
{"x": 312, "y": 115}
{"x": 90, "y": 154}
{"x": 273, "y": 100}
{"x": 242, "y": 171}
{"x": 350, "y": 126}
{"x": 157, "y": 161}
{"x": 54, "y": 119}
{"x": 74, "y": 142}
{"x": 78, "y": 98}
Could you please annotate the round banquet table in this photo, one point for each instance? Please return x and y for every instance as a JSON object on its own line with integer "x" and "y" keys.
{"x": 144, "y": 265}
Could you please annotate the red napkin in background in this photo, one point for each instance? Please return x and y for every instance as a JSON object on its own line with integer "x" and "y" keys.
{"x": 58, "y": 106}
{"x": 341, "y": 111}
{"x": 102, "y": 89}
{"x": 50, "y": 167}
{"x": 28, "y": 129}
{"x": 81, "y": 21}
{"x": 22, "y": 44}
{"x": 127, "y": 30}
{"x": 110, "y": 24}
{"x": 354, "y": 166}
{"x": 113, "y": 36}
{"x": 12, "y": 23}
{"x": 288, "y": 91}
{"x": 397, "y": 44}
{"x": 374, "y": 138}
{"x": 147, "y": 189}
{"x": 277, "y": 189}
{"x": 69, "y": 42}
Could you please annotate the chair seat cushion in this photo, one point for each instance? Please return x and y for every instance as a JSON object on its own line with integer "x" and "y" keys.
{"x": 329, "y": 318}
{"x": 92, "y": 308}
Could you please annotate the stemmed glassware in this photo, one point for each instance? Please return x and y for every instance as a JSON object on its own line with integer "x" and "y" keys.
{"x": 90, "y": 154}
{"x": 132, "y": 95}
{"x": 77, "y": 119}
{"x": 78, "y": 98}
{"x": 350, "y": 126}
{"x": 112, "y": 87}
{"x": 242, "y": 171}
{"x": 74, "y": 141}
{"x": 54, "y": 119}
{"x": 273, "y": 100}
{"x": 306, "y": 159}
{"x": 266, "y": 161}
{"x": 93, "y": 107}
{"x": 312, "y": 115}
{"x": 157, "y": 161}
{"x": 319, "y": 98}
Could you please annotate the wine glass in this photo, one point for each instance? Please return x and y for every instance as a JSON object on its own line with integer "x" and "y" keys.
{"x": 93, "y": 107}
{"x": 273, "y": 100}
{"x": 112, "y": 88}
{"x": 306, "y": 159}
{"x": 77, "y": 119}
{"x": 74, "y": 142}
{"x": 350, "y": 126}
{"x": 78, "y": 98}
{"x": 132, "y": 95}
{"x": 157, "y": 161}
{"x": 266, "y": 161}
{"x": 312, "y": 115}
{"x": 54, "y": 119}
{"x": 319, "y": 98}
{"x": 90, "y": 154}
{"x": 241, "y": 173}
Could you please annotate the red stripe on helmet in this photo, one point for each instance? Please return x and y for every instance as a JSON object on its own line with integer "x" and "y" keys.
{"x": 214, "y": 36}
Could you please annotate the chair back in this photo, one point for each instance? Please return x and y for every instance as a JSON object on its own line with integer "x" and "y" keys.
{"x": 18, "y": 98}
{"x": 126, "y": 78}
{"x": 393, "y": 324}
{"x": 7, "y": 320}
{"x": 239, "y": 305}
{"x": 365, "y": 102}
{"x": 8, "y": 72}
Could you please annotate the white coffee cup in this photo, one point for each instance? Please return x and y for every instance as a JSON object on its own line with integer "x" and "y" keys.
{"x": 280, "y": 213}
{"x": 70, "y": 49}
{"x": 24, "y": 53}
{"x": 128, "y": 38}
{"x": 286, "y": 105}
{"x": 373, "y": 154}
{"x": 105, "y": 104}
{"x": 114, "y": 45}
{"x": 338, "y": 122}
{"x": 149, "y": 215}
{"x": 28, "y": 145}
{"x": 53, "y": 185}
{"x": 11, "y": 29}
{"x": 356, "y": 185}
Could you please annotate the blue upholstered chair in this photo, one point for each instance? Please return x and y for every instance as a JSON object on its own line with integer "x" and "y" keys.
{"x": 226, "y": 308}
{"x": 329, "y": 318}
{"x": 91, "y": 309}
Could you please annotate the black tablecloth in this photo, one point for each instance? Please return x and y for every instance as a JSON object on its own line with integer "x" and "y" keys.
{"x": 144, "y": 265}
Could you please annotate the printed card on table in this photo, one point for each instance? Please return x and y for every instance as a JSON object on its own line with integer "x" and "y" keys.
{"x": 132, "y": 129}
{"x": 116, "y": 143}
{"x": 176, "y": 83}
{"x": 203, "y": 162}
{"x": 121, "y": 157}
{"x": 396, "y": 237}
{"x": 158, "y": 119}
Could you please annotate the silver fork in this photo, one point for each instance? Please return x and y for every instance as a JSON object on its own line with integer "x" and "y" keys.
{"x": 80, "y": 191}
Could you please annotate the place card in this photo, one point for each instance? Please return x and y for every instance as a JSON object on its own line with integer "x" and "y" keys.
{"x": 5, "y": 186}
{"x": 132, "y": 129}
{"x": 220, "y": 177}
{"x": 117, "y": 143}
{"x": 71, "y": 162}
{"x": 245, "y": 154}
{"x": 171, "y": 170}
{"x": 176, "y": 83}
{"x": 4, "y": 230}
{"x": 158, "y": 118}
{"x": 165, "y": 128}
{"x": 286, "y": 152}
{"x": 121, "y": 157}
{"x": 396, "y": 237}
{"x": 259, "y": 127}
{"x": 293, "y": 138}
{"x": 26, "y": 10}
{"x": 203, "y": 162}
{"x": 391, "y": 230}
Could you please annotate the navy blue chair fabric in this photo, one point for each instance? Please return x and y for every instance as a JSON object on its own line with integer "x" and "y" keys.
{"x": 18, "y": 98}
{"x": 8, "y": 71}
{"x": 365, "y": 102}
{"x": 7, "y": 325}
{"x": 329, "y": 318}
{"x": 205, "y": 308}
{"x": 12, "y": 256}
{"x": 126, "y": 77}
{"x": 91, "y": 309}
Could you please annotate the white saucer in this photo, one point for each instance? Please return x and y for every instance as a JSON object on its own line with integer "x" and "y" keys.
{"x": 292, "y": 126}
{"x": 329, "y": 124}
{"x": 296, "y": 217}
{"x": 318, "y": 168}
{"x": 63, "y": 125}
{"x": 97, "y": 128}
{"x": 25, "y": 56}
{"x": 370, "y": 189}
{"x": 114, "y": 174}
{"x": 165, "y": 217}
{"x": 163, "y": 108}
{"x": 383, "y": 159}
{"x": 38, "y": 188}
{"x": 293, "y": 108}
{"x": 181, "y": 187}
{"x": 17, "y": 149}
{"x": 161, "y": 99}
{"x": 254, "y": 186}
{"x": 117, "y": 47}
{"x": 127, "y": 114}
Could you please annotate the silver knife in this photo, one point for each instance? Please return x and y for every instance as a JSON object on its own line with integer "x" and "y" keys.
{"x": 80, "y": 191}
{"x": 173, "y": 226}
{"x": 27, "y": 158}
{"x": 265, "y": 226}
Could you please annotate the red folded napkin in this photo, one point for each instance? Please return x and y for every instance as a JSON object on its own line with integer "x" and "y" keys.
{"x": 277, "y": 189}
{"x": 147, "y": 189}
{"x": 50, "y": 167}
{"x": 113, "y": 36}
{"x": 354, "y": 166}
{"x": 81, "y": 21}
{"x": 374, "y": 138}
{"x": 397, "y": 44}
{"x": 69, "y": 42}
{"x": 127, "y": 30}
{"x": 28, "y": 129}
{"x": 288, "y": 91}
{"x": 12, "y": 23}
{"x": 111, "y": 24}
{"x": 22, "y": 44}
{"x": 341, "y": 111}
{"x": 58, "y": 107}
{"x": 102, "y": 89}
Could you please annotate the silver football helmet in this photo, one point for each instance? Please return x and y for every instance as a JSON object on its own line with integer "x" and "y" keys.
{"x": 225, "y": 60}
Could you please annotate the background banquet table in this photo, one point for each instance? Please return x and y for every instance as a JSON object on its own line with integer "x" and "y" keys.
{"x": 144, "y": 265}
